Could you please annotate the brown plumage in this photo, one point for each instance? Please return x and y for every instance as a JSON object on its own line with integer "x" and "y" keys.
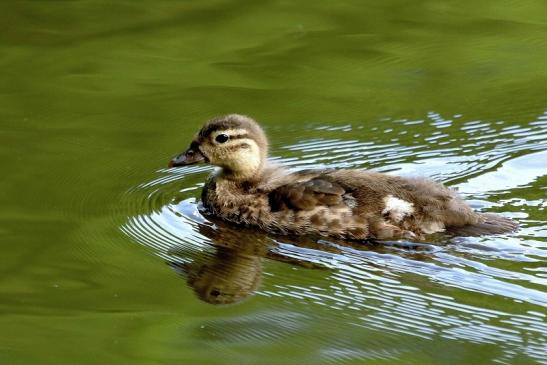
{"x": 354, "y": 204}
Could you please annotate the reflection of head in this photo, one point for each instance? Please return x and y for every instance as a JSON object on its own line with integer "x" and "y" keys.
{"x": 232, "y": 271}
{"x": 226, "y": 278}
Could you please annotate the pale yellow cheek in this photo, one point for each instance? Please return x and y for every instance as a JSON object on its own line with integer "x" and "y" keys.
{"x": 245, "y": 160}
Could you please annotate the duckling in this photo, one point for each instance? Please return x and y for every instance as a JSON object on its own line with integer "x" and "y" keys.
{"x": 250, "y": 190}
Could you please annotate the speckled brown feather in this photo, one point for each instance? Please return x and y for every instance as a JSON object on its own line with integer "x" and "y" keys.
{"x": 306, "y": 195}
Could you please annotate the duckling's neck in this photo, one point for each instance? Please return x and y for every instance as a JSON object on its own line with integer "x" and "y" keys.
{"x": 242, "y": 174}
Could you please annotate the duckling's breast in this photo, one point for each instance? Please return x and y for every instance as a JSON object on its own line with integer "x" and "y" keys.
{"x": 232, "y": 203}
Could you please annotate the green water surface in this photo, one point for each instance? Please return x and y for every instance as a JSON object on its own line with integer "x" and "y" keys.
{"x": 96, "y": 96}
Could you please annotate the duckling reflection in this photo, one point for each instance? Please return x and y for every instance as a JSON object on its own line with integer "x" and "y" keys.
{"x": 228, "y": 277}
{"x": 232, "y": 271}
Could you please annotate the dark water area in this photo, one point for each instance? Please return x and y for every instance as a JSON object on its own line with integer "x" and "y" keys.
{"x": 108, "y": 257}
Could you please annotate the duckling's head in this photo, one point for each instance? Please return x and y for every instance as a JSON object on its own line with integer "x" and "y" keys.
{"x": 234, "y": 142}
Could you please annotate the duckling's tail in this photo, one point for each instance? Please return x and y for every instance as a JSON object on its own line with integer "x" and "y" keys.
{"x": 490, "y": 224}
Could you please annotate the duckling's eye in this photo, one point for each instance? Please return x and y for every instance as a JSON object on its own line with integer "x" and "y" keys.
{"x": 221, "y": 138}
{"x": 215, "y": 292}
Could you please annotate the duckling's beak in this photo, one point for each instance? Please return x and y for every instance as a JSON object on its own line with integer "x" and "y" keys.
{"x": 190, "y": 157}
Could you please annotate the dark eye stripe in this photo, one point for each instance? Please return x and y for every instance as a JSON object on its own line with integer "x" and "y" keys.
{"x": 239, "y": 136}
{"x": 238, "y": 146}
{"x": 234, "y": 136}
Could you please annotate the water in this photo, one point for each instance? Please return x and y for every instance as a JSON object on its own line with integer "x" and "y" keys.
{"x": 107, "y": 256}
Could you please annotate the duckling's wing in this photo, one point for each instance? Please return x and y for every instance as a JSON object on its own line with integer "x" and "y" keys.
{"x": 306, "y": 195}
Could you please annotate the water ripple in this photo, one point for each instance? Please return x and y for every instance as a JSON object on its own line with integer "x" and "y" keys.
{"x": 437, "y": 289}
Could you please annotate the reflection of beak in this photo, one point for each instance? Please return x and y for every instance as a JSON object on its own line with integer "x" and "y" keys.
{"x": 190, "y": 157}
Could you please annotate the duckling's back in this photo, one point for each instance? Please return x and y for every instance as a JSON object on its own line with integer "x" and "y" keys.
{"x": 353, "y": 204}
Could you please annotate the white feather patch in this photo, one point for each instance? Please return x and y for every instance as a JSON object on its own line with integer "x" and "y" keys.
{"x": 397, "y": 208}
